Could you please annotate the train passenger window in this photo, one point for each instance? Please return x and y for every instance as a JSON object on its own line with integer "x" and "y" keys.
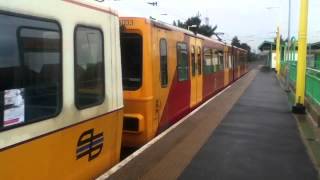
{"x": 215, "y": 61}
{"x": 164, "y": 62}
{"x": 199, "y": 57}
{"x": 89, "y": 67}
{"x": 182, "y": 64}
{"x": 221, "y": 67}
{"x": 230, "y": 61}
{"x": 131, "y": 54}
{"x": 226, "y": 61}
{"x": 30, "y": 70}
{"x": 207, "y": 65}
{"x": 193, "y": 61}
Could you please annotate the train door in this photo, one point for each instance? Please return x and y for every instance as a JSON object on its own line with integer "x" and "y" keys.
{"x": 192, "y": 72}
{"x": 233, "y": 63}
{"x": 226, "y": 66}
{"x": 230, "y": 65}
{"x": 199, "y": 70}
{"x": 238, "y": 64}
{"x": 161, "y": 72}
{"x": 195, "y": 71}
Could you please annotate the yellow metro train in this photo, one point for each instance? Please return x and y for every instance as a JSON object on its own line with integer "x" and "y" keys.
{"x": 61, "y": 90}
{"x": 167, "y": 72}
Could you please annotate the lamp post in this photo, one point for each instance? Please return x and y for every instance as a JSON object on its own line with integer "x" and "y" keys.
{"x": 289, "y": 27}
{"x": 287, "y": 55}
{"x": 278, "y": 33}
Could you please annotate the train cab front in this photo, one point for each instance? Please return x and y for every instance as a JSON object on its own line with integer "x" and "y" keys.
{"x": 138, "y": 126}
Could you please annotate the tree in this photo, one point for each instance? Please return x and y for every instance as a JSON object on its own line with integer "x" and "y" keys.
{"x": 174, "y": 23}
{"x": 245, "y": 46}
{"x": 181, "y": 24}
{"x": 204, "y": 29}
{"x": 236, "y": 42}
{"x": 207, "y": 30}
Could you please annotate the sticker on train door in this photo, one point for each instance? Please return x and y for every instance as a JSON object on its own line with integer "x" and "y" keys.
{"x": 89, "y": 145}
{"x": 13, "y": 107}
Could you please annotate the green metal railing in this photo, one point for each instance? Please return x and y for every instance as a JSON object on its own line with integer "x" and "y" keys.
{"x": 317, "y": 59}
{"x": 288, "y": 67}
{"x": 283, "y": 65}
{"x": 313, "y": 84}
{"x": 292, "y": 72}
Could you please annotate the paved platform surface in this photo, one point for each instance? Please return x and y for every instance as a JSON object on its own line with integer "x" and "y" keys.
{"x": 258, "y": 139}
{"x": 167, "y": 157}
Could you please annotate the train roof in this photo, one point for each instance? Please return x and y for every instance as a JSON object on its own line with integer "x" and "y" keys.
{"x": 95, "y": 5}
{"x": 170, "y": 27}
{"x": 188, "y": 32}
{"x": 185, "y": 31}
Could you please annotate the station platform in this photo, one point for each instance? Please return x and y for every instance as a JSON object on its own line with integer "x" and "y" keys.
{"x": 245, "y": 132}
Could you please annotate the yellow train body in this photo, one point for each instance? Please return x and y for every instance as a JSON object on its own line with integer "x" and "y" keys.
{"x": 53, "y": 156}
{"x": 77, "y": 140}
{"x": 152, "y": 102}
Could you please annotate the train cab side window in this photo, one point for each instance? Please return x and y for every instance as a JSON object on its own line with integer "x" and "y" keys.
{"x": 131, "y": 60}
{"x": 30, "y": 70}
{"x": 89, "y": 67}
{"x": 164, "y": 62}
{"x": 182, "y": 64}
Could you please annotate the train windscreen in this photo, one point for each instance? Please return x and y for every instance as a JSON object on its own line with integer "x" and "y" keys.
{"x": 131, "y": 54}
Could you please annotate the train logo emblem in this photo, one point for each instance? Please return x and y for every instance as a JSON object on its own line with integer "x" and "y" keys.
{"x": 89, "y": 145}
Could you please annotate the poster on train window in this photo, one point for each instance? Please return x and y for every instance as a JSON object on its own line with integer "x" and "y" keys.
{"x": 13, "y": 107}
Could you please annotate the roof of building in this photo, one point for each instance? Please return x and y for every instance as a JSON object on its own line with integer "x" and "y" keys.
{"x": 266, "y": 45}
{"x": 315, "y": 46}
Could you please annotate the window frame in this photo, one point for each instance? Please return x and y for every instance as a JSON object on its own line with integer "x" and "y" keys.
{"x": 60, "y": 89}
{"x": 220, "y": 61}
{"x": 193, "y": 61}
{"x": 199, "y": 59}
{"x": 76, "y": 83}
{"x": 187, "y": 60}
{"x": 167, "y": 73}
{"x": 207, "y": 70}
{"x": 141, "y": 64}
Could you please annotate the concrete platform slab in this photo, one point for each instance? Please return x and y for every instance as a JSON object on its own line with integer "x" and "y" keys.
{"x": 257, "y": 140}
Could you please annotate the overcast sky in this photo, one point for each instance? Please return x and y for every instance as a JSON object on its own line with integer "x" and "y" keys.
{"x": 253, "y": 21}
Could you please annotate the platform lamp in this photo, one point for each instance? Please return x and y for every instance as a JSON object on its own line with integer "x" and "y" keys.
{"x": 155, "y": 3}
{"x": 218, "y": 34}
{"x": 192, "y": 26}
